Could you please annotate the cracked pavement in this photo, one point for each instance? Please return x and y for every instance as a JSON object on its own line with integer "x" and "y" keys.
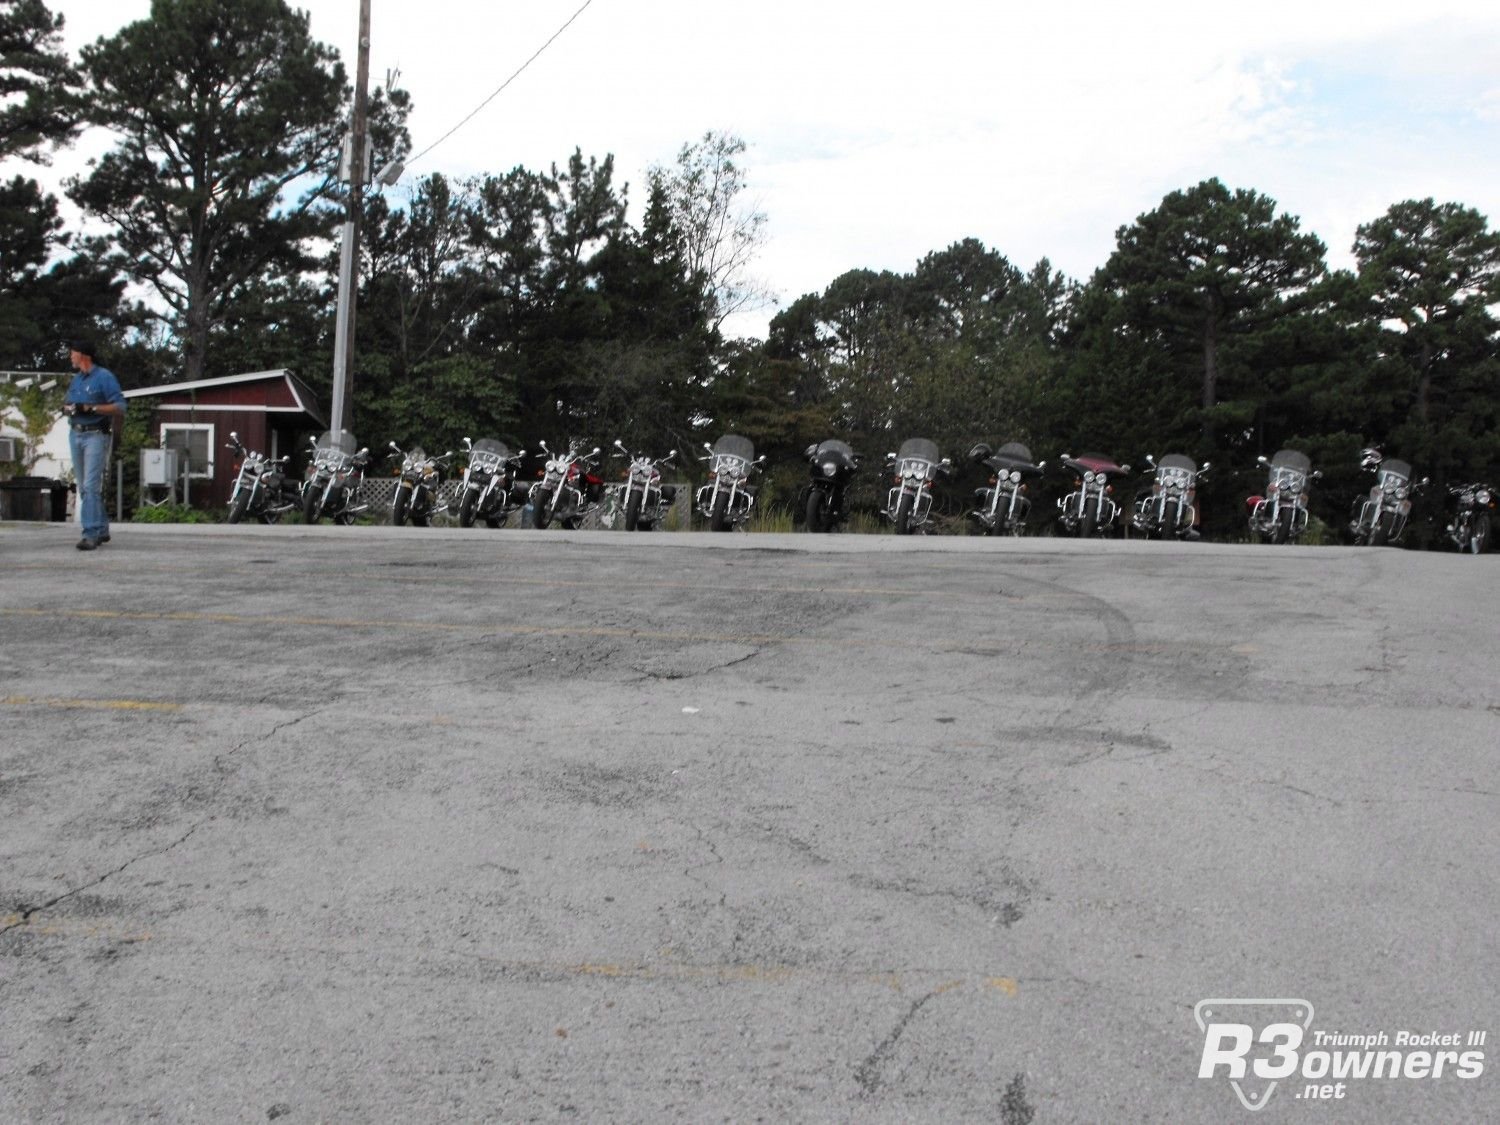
{"x": 362, "y": 823}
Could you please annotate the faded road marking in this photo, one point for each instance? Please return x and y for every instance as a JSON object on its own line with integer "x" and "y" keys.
{"x": 91, "y": 704}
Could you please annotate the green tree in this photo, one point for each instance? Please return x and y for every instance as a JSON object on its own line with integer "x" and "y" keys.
{"x": 228, "y": 123}
{"x": 1196, "y": 278}
{"x": 1429, "y": 278}
{"x": 36, "y": 81}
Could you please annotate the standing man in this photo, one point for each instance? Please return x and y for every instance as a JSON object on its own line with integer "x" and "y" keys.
{"x": 93, "y": 401}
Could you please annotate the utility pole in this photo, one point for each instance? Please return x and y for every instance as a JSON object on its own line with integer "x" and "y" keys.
{"x": 342, "y": 413}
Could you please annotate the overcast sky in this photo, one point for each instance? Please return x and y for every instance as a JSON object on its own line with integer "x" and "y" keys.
{"x": 879, "y": 133}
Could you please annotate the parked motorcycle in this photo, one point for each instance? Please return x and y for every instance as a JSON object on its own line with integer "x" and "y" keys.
{"x": 262, "y": 489}
{"x": 1088, "y": 510}
{"x": 831, "y": 465}
{"x": 416, "y": 497}
{"x": 334, "y": 479}
{"x": 915, "y": 467}
{"x": 1280, "y": 516}
{"x": 1382, "y": 518}
{"x": 1002, "y": 506}
{"x": 488, "y": 489}
{"x": 1473, "y": 517}
{"x": 646, "y": 500}
{"x": 1169, "y": 510}
{"x": 569, "y": 488}
{"x": 727, "y": 499}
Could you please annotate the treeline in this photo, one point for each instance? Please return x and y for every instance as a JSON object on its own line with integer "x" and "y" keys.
{"x": 529, "y": 306}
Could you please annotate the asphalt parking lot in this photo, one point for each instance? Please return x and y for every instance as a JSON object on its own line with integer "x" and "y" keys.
{"x": 366, "y": 824}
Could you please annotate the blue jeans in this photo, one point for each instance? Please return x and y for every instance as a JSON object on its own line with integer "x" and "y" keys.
{"x": 90, "y": 452}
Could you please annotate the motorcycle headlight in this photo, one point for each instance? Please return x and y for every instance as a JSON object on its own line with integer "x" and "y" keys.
{"x": 1483, "y": 496}
{"x": 1402, "y": 493}
{"x": 830, "y": 469}
{"x": 552, "y": 467}
{"x": 1088, "y": 477}
{"x": 1015, "y": 476}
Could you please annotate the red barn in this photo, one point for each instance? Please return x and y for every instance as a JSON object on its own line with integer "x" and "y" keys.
{"x": 273, "y": 412}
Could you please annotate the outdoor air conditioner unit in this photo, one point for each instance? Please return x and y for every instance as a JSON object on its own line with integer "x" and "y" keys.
{"x": 10, "y": 449}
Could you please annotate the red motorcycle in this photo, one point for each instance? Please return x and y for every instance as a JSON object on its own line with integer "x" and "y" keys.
{"x": 569, "y": 489}
{"x": 1089, "y": 510}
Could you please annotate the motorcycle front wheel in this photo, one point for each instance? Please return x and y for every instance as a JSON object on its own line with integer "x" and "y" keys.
{"x": 237, "y": 509}
{"x": 718, "y": 519}
{"x": 817, "y": 505}
{"x": 633, "y": 511}
{"x": 466, "y": 509}
{"x": 903, "y": 514}
{"x": 541, "y": 513}
{"x": 1479, "y": 538}
{"x": 399, "y": 505}
{"x": 312, "y": 505}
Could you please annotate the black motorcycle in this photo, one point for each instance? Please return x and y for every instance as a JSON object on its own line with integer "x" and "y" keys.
{"x": 1473, "y": 517}
{"x": 645, "y": 500}
{"x": 727, "y": 500}
{"x": 1280, "y": 515}
{"x": 333, "y": 487}
{"x": 1002, "y": 506}
{"x": 831, "y": 466}
{"x": 1168, "y": 510}
{"x": 488, "y": 490}
{"x": 1381, "y": 518}
{"x": 262, "y": 490}
{"x": 416, "y": 497}
{"x": 914, "y": 468}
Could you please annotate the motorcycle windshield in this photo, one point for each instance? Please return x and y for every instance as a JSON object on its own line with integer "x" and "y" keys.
{"x": 1013, "y": 456}
{"x": 488, "y": 454}
{"x": 732, "y": 445}
{"x": 833, "y": 448}
{"x": 1394, "y": 473}
{"x": 917, "y": 458}
{"x": 732, "y": 455}
{"x": 1176, "y": 471}
{"x": 336, "y": 449}
{"x": 1099, "y": 463}
{"x": 1292, "y": 460}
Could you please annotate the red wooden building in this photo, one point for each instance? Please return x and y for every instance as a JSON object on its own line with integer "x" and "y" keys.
{"x": 273, "y": 412}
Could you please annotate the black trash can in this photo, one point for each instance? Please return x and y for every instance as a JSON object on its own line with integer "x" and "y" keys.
{"x": 33, "y": 498}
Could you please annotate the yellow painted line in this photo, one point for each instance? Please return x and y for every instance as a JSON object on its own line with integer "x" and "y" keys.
{"x": 91, "y": 704}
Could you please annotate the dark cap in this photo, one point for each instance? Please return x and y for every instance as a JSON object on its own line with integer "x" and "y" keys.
{"x": 82, "y": 347}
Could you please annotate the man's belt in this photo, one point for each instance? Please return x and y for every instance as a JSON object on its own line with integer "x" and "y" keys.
{"x": 90, "y": 427}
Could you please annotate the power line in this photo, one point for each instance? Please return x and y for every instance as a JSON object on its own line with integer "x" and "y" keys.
{"x": 502, "y": 86}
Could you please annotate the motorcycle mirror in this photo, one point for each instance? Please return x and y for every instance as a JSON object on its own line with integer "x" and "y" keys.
{"x": 394, "y": 446}
{"x": 1067, "y": 457}
{"x": 363, "y": 450}
{"x": 670, "y": 454}
{"x": 809, "y": 451}
{"x": 945, "y": 461}
{"x": 468, "y": 444}
{"x": 1317, "y": 474}
{"x": 618, "y": 445}
{"x": 1150, "y": 460}
{"x": 1124, "y": 468}
{"x": 1424, "y": 482}
{"x": 708, "y": 447}
{"x": 1041, "y": 464}
{"x": 890, "y": 456}
{"x": 233, "y": 436}
{"x": 1260, "y": 460}
{"x": 543, "y": 444}
{"x": 1206, "y": 466}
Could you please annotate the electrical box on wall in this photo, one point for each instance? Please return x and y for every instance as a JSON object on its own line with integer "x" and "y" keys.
{"x": 10, "y": 449}
{"x": 159, "y": 466}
